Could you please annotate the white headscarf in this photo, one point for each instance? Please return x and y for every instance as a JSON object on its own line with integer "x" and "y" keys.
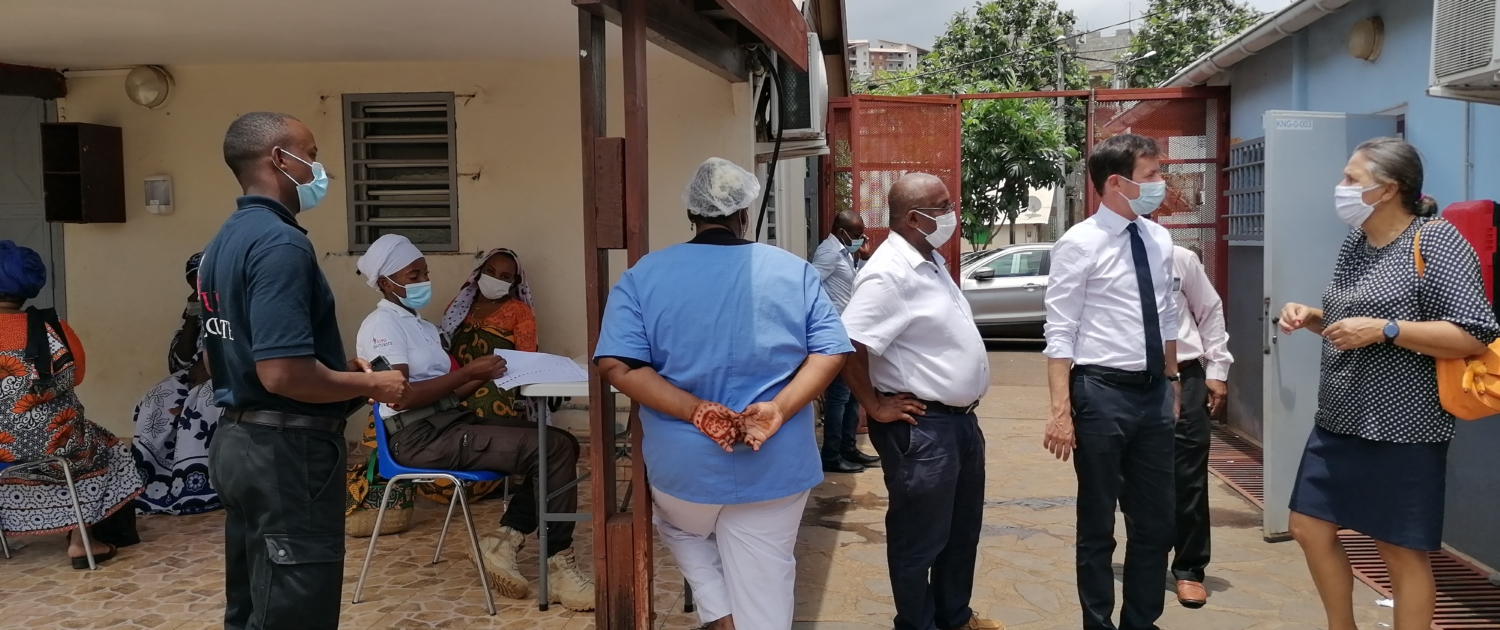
{"x": 459, "y": 309}
{"x": 387, "y": 255}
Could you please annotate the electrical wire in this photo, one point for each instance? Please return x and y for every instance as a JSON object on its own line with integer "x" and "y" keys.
{"x": 1059, "y": 40}
{"x": 765, "y": 197}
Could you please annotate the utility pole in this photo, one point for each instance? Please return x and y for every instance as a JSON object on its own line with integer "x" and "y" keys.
{"x": 1062, "y": 113}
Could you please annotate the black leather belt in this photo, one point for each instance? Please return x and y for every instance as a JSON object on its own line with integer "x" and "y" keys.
{"x": 412, "y": 416}
{"x": 283, "y": 420}
{"x": 1118, "y": 377}
{"x": 934, "y": 406}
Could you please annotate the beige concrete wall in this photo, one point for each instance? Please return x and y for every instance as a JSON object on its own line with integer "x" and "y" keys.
{"x": 519, "y": 135}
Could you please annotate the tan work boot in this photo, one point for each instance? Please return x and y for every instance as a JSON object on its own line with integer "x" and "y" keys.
{"x": 975, "y": 623}
{"x": 499, "y": 553}
{"x": 567, "y": 585}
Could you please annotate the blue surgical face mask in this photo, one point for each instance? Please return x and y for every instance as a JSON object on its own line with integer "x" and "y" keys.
{"x": 418, "y": 294}
{"x": 1152, "y": 194}
{"x": 854, "y": 243}
{"x": 311, "y": 193}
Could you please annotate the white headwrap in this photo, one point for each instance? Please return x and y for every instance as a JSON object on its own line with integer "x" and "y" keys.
{"x": 458, "y": 311}
{"x": 720, "y": 188}
{"x": 387, "y": 255}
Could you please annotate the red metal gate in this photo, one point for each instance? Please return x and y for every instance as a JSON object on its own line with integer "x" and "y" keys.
{"x": 876, "y": 139}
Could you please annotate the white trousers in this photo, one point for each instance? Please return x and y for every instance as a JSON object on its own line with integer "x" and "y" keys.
{"x": 739, "y": 559}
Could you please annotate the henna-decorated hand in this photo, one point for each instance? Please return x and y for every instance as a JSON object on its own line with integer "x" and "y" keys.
{"x": 761, "y": 421}
{"x": 719, "y": 423}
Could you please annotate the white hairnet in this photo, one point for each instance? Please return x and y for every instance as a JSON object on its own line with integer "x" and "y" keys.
{"x": 387, "y": 255}
{"x": 720, "y": 188}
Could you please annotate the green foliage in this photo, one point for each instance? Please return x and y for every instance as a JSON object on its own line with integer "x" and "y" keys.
{"x": 1009, "y": 145}
{"x": 1181, "y": 31}
{"x": 1027, "y": 36}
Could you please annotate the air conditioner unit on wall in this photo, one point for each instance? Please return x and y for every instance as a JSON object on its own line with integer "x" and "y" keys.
{"x": 804, "y": 103}
{"x": 1465, "y": 59}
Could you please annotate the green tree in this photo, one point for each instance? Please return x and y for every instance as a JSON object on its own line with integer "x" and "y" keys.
{"x": 1181, "y": 31}
{"x": 1014, "y": 43}
{"x": 1010, "y": 146}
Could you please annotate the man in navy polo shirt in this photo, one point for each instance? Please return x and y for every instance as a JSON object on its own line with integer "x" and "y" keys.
{"x": 273, "y": 346}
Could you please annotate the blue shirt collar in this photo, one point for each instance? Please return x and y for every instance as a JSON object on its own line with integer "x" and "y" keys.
{"x": 281, "y": 211}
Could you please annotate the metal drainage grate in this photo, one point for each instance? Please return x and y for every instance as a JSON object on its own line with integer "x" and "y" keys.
{"x": 1466, "y": 600}
{"x": 1238, "y": 463}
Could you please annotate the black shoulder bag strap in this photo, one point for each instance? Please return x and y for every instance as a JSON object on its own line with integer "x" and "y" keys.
{"x": 39, "y": 345}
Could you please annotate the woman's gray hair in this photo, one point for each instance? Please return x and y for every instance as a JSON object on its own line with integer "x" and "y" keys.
{"x": 1395, "y": 161}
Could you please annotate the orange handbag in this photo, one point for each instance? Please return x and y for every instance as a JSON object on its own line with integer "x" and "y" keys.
{"x": 1468, "y": 388}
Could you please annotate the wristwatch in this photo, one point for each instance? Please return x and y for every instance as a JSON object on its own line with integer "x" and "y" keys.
{"x": 1174, "y": 377}
{"x": 1391, "y": 330}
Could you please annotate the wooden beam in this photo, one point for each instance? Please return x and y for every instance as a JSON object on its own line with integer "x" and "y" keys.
{"x": 591, "y": 102}
{"x": 634, "y": 29}
{"x": 678, "y": 29}
{"x": 777, "y": 23}
{"x": 32, "y": 81}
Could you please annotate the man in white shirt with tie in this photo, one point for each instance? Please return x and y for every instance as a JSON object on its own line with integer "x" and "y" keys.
{"x": 834, "y": 260}
{"x": 919, "y": 369}
{"x": 1112, "y": 371}
{"x": 1203, "y": 361}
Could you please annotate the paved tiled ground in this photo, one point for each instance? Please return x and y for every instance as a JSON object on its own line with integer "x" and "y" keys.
{"x": 173, "y": 579}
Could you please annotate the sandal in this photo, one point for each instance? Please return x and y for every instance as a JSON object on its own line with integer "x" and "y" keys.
{"x": 82, "y": 562}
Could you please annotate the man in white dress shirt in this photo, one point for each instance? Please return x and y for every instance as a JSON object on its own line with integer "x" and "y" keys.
{"x": 919, "y": 369}
{"x": 1204, "y": 360}
{"x": 834, "y": 260}
{"x": 1112, "y": 371}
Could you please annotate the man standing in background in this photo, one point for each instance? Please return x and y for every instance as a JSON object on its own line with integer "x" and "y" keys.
{"x": 1203, "y": 361}
{"x": 834, "y": 261}
{"x": 274, "y": 349}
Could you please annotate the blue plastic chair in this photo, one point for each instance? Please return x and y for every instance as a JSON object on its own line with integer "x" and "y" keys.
{"x": 394, "y": 472}
{"x": 8, "y": 469}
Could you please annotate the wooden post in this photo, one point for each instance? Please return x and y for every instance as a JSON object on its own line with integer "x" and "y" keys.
{"x": 591, "y": 97}
{"x": 637, "y": 243}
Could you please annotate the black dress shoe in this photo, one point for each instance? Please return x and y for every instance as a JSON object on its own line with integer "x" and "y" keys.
{"x": 861, "y": 458}
{"x": 841, "y": 465}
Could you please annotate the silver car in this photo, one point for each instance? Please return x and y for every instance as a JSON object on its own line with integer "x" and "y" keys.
{"x": 1006, "y": 288}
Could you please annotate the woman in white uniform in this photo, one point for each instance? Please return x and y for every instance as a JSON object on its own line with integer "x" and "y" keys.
{"x": 433, "y": 429}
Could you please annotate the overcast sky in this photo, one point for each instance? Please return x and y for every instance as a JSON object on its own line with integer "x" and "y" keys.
{"x": 921, "y": 21}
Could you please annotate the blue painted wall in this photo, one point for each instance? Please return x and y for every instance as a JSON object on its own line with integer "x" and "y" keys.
{"x": 1337, "y": 82}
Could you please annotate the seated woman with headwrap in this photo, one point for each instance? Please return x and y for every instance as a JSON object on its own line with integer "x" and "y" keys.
{"x": 493, "y": 312}
{"x": 41, "y": 361}
{"x": 432, "y": 428}
{"x": 175, "y": 422}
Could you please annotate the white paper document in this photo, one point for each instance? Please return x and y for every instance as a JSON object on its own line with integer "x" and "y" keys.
{"x": 531, "y": 368}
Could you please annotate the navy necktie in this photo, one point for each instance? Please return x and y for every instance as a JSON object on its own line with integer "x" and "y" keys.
{"x": 1155, "y": 361}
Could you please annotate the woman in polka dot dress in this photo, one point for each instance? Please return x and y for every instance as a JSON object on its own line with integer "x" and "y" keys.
{"x": 1376, "y": 460}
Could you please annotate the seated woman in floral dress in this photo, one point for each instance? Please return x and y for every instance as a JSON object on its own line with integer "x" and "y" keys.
{"x": 175, "y": 422}
{"x": 40, "y": 416}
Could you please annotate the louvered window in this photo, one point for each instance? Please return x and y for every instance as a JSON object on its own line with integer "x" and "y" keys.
{"x": 401, "y": 167}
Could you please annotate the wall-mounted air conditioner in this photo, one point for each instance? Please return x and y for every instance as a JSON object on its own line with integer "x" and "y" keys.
{"x": 1465, "y": 59}
{"x": 804, "y": 103}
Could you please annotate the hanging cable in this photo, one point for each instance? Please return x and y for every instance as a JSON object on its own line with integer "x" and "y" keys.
{"x": 778, "y": 116}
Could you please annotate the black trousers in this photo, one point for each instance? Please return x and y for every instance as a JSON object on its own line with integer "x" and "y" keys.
{"x": 460, "y": 440}
{"x": 840, "y": 421}
{"x": 283, "y": 495}
{"x": 1124, "y": 456}
{"x": 1192, "y": 548}
{"x": 934, "y": 472}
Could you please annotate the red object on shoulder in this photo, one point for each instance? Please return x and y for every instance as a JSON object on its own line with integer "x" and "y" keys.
{"x": 1476, "y": 221}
